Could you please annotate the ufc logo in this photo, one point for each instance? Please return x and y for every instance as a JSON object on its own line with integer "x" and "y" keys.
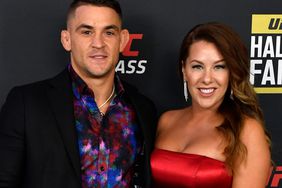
{"x": 277, "y": 176}
{"x": 275, "y": 24}
{"x": 127, "y": 50}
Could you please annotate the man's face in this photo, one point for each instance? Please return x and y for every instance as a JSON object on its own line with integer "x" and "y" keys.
{"x": 94, "y": 38}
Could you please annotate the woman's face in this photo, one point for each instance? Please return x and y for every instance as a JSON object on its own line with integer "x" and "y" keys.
{"x": 206, "y": 74}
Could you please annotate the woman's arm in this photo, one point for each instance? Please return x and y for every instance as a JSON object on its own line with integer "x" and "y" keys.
{"x": 253, "y": 172}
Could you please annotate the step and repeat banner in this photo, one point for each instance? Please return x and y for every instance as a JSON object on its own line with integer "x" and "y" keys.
{"x": 30, "y": 49}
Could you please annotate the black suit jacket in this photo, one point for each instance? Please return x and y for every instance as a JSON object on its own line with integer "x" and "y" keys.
{"x": 38, "y": 141}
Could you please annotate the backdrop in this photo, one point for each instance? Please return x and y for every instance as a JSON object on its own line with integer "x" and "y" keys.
{"x": 30, "y": 49}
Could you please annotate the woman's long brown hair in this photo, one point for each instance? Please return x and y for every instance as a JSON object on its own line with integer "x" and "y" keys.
{"x": 244, "y": 102}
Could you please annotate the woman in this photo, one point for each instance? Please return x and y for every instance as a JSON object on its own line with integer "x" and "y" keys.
{"x": 220, "y": 140}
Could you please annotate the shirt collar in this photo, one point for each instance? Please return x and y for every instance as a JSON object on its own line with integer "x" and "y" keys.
{"x": 81, "y": 88}
{"x": 118, "y": 86}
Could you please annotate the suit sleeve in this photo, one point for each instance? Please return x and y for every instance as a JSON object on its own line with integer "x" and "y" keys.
{"x": 12, "y": 140}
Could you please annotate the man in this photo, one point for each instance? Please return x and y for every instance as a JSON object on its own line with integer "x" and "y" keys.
{"x": 84, "y": 127}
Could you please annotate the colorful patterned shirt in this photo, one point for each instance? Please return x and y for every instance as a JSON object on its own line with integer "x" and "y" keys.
{"x": 108, "y": 144}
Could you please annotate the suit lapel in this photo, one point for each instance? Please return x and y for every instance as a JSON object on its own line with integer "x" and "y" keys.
{"x": 146, "y": 115}
{"x": 60, "y": 97}
{"x": 145, "y": 118}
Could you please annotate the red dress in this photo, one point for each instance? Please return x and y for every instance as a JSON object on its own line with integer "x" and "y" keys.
{"x": 174, "y": 169}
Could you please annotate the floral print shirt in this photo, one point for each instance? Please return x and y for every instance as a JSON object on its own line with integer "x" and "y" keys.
{"x": 108, "y": 144}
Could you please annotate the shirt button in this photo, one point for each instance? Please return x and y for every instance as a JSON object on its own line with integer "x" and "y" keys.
{"x": 102, "y": 168}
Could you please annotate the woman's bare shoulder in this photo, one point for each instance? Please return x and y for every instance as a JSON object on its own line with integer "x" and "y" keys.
{"x": 252, "y": 131}
{"x": 169, "y": 118}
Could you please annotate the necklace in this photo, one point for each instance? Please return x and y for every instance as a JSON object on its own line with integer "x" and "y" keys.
{"x": 107, "y": 100}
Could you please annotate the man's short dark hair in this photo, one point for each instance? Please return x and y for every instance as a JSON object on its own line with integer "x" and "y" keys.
{"x": 113, "y": 4}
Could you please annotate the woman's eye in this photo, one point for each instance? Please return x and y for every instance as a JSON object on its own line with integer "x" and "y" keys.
{"x": 220, "y": 67}
{"x": 197, "y": 67}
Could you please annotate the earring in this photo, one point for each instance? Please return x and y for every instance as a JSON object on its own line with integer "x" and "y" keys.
{"x": 185, "y": 90}
{"x": 231, "y": 94}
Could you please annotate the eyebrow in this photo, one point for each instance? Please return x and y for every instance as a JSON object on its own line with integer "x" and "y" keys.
{"x": 86, "y": 26}
{"x": 197, "y": 61}
{"x": 114, "y": 27}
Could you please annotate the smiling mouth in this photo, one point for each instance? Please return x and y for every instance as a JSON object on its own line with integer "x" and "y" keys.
{"x": 206, "y": 90}
{"x": 98, "y": 56}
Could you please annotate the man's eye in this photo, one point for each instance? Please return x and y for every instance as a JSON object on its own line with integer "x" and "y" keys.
{"x": 110, "y": 33}
{"x": 86, "y": 32}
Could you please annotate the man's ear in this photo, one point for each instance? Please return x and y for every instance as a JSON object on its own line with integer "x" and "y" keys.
{"x": 124, "y": 37}
{"x": 65, "y": 40}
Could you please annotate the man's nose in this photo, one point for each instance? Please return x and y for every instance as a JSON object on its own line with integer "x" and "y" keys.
{"x": 98, "y": 41}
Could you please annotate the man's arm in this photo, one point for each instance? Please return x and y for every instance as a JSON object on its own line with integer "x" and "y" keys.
{"x": 12, "y": 123}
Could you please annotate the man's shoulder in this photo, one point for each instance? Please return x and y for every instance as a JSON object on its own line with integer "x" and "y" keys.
{"x": 33, "y": 89}
{"x": 132, "y": 91}
{"x": 129, "y": 87}
{"x": 60, "y": 78}
{"x": 137, "y": 97}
